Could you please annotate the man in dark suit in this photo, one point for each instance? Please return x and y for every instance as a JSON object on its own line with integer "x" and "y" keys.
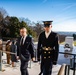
{"x": 48, "y": 48}
{"x": 25, "y": 50}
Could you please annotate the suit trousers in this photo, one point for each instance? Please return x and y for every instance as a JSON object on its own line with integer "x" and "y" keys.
{"x": 23, "y": 67}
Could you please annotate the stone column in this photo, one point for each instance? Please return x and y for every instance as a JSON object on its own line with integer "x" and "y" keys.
{"x": 0, "y": 55}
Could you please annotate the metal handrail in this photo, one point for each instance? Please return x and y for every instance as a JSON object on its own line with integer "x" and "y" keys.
{"x": 64, "y": 70}
{"x": 74, "y": 55}
{"x": 7, "y": 52}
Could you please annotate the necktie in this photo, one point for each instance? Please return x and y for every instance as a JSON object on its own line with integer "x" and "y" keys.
{"x": 22, "y": 41}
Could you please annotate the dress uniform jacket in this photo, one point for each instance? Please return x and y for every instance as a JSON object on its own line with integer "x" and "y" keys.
{"x": 48, "y": 49}
{"x": 8, "y": 48}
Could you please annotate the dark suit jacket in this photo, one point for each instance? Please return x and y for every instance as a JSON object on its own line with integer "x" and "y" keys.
{"x": 24, "y": 51}
{"x": 51, "y": 41}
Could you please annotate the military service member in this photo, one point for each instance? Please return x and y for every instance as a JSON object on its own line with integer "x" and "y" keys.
{"x": 47, "y": 48}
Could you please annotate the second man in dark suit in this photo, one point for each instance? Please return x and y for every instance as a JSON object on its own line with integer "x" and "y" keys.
{"x": 25, "y": 50}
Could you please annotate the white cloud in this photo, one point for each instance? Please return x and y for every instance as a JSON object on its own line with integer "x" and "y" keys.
{"x": 68, "y": 7}
{"x": 65, "y": 10}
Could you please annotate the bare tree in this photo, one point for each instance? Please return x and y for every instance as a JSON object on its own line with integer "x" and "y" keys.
{"x": 3, "y": 14}
{"x": 38, "y": 28}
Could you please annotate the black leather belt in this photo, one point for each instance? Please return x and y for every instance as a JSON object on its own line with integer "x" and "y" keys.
{"x": 47, "y": 48}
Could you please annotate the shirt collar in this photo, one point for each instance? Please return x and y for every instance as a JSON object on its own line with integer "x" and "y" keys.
{"x": 24, "y": 38}
{"x": 48, "y": 32}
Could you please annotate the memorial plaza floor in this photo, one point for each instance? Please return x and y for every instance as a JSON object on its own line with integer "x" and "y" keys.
{"x": 34, "y": 70}
{"x": 35, "y": 67}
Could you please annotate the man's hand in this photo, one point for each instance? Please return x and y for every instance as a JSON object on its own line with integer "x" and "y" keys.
{"x": 33, "y": 59}
{"x": 18, "y": 58}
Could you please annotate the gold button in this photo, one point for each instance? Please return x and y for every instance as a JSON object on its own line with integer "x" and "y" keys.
{"x": 44, "y": 57}
{"x": 46, "y": 49}
{"x": 45, "y": 52}
{"x": 49, "y": 57}
{"x": 49, "y": 52}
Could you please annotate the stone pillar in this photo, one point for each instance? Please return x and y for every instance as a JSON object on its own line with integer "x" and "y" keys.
{"x": 0, "y": 55}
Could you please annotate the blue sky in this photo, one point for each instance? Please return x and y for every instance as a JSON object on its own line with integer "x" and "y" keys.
{"x": 62, "y": 12}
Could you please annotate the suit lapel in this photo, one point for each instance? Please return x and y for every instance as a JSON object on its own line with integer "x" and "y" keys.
{"x": 19, "y": 40}
{"x": 26, "y": 39}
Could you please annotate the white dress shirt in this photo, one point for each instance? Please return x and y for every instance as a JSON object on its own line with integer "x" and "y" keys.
{"x": 24, "y": 38}
{"x": 47, "y": 34}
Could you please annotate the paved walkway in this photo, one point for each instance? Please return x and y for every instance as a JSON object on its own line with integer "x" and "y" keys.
{"x": 34, "y": 70}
